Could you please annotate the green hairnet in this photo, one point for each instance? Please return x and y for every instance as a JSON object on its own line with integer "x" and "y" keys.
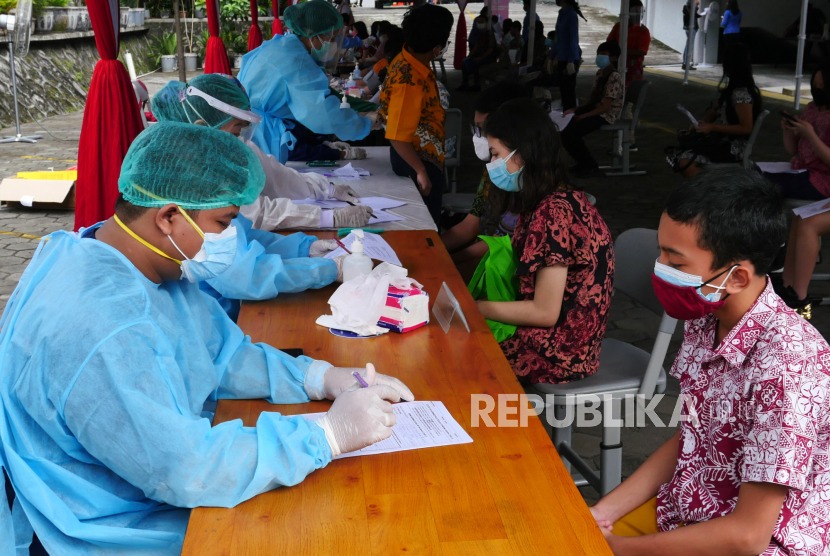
{"x": 171, "y": 104}
{"x": 195, "y": 167}
{"x": 313, "y": 18}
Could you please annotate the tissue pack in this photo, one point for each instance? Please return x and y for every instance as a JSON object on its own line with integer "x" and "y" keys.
{"x": 405, "y": 310}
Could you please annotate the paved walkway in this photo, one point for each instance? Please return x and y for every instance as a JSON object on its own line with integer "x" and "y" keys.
{"x": 623, "y": 202}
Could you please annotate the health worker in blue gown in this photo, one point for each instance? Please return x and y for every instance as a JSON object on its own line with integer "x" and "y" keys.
{"x": 110, "y": 354}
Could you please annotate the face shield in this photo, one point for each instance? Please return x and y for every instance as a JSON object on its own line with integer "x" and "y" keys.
{"x": 636, "y": 16}
{"x": 252, "y": 119}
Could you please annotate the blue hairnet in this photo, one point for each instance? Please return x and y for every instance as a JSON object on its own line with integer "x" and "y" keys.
{"x": 172, "y": 104}
{"x": 195, "y": 167}
{"x": 313, "y": 18}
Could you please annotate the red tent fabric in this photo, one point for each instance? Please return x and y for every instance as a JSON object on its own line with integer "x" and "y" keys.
{"x": 254, "y": 35}
{"x": 111, "y": 122}
{"x": 277, "y": 25}
{"x": 216, "y": 58}
{"x": 460, "y": 36}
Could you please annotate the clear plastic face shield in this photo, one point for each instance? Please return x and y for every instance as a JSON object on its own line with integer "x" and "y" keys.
{"x": 248, "y": 120}
{"x": 334, "y": 50}
{"x": 637, "y": 15}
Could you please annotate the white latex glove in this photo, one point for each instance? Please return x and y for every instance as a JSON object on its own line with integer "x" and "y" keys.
{"x": 344, "y": 193}
{"x": 349, "y": 152}
{"x": 339, "y": 262}
{"x": 352, "y": 217}
{"x": 337, "y": 380}
{"x": 372, "y": 116}
{"x": 359, "y": 418}
{"x": 570, "y": 68}
{"x": 322, "y": 246}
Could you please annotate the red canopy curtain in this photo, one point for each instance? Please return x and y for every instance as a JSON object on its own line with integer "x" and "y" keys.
{"x": 254, "y": 35}
{"x": 276, "y": 29}
{"x": 111, "y": 122}
{"x": 460, "y": 36}
{"x": 216, "y": 59}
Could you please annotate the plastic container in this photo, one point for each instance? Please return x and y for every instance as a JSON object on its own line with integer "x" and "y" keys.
{"x": 357, "y": 264}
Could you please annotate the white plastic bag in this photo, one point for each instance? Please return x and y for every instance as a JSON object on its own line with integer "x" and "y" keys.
{"x": 356, "y": 305}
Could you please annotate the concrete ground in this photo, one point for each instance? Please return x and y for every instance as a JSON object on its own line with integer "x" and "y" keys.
{"x": 624, "y": 202}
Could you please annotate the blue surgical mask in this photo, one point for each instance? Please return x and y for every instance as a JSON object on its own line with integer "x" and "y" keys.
{"x": 683, "y": 280}
{"x": 549, "y": 43}
{"x": 215, "y": 257}
{"x": 503, "y": 179}
{"x": 603, "y": 61}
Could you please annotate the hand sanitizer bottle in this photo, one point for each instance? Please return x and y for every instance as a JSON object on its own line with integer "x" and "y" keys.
{"x": 357, "y": 264}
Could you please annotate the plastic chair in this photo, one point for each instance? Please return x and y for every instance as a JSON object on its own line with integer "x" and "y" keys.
{"x": 621, "y": 150}
{"x": 440, "y": 62}
{"x": 454, "y": 202}
{"x": 746, "y": 161}
{"x": 142, "y": 97}
{"x": 623, "y": 369}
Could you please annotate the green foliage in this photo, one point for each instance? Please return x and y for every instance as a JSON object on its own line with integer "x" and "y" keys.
{"x": 234, "y": 9}
{"x": 163, "y": 45}
{"x": 267, "y": 31}
{"x": 7, "y": 5}
{"x": 200, "y": 43}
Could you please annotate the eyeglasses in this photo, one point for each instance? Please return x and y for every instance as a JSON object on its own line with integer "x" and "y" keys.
{"x": 477, "y": 131}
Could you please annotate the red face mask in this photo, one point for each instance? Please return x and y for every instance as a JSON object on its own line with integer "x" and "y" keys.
{"x": 683, "y": 302}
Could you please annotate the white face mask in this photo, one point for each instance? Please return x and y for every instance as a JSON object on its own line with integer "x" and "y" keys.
{"x": 215, "y": 256}
{"x": 481, "y": 147}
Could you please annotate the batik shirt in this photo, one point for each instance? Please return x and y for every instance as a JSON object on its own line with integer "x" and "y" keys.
{"x": 411, "y": 109}
{"x": 763, "y": 415}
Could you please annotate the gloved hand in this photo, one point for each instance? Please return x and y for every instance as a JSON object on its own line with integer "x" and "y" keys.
{"x": 337, "y": 380}
{"x": 349, "y": 152}
{"x": 318, "y": 183}
{"x": 376, "y": 123}
{"x": 359, "y": 418}
{"x": 339, "y": 262}
{"x": 344, "y": 193}
{"x": 351, "y": 217}
{"x": 322, "y": 246}
{"x": 570, "y": 68}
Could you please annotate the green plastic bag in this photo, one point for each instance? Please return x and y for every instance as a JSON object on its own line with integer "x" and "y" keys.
{"x": 495, "y": 279}
{"x": 358, "y": 104}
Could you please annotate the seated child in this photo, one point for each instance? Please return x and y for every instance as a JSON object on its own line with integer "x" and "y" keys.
{"x": 603, "y": 108}
{"x": 747, "y": 473}
{"x": 564, "y": 250}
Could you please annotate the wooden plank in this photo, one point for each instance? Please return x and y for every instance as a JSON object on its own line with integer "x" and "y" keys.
{"x": 507, "y": 493}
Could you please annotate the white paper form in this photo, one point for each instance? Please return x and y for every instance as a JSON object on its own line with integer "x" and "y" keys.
{"x": 688, "y": 114}
{"x": 419, "y": 425}
{"x": 347, "y": 172}
{"x": 778, "y": 168}
{"x": 813, "y": 208}
{"x": 560, "y": 120}
{"x": 374, "y": 246}
{"x": 378, "y": 205}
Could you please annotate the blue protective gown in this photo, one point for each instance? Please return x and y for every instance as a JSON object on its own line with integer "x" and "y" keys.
{"x": 267, "y": 264}
{"x": 104, "y": 377}
{"x": 284, "y": 83}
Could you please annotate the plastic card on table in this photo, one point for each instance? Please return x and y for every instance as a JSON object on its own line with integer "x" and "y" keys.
{"x": 446, "y": 306}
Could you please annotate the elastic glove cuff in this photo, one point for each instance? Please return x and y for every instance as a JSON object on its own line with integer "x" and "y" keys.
{"x": 324, "y": 424}
{"x": 314, "y": 380}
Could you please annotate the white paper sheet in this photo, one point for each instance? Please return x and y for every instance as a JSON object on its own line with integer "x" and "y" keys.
{"x": 688, "y": 114}
{"x": 560, "y": 120}
{"x": 813, "y": 208}
{"x": 347, "y": 172}
{"x": 374, "y": 246}
{"x": 377, "y": 203}
{"x": 778, "y": 168}
{"x": 419, "y": 425}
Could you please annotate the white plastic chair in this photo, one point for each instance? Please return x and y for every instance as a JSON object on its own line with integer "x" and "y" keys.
{"x": 746, "y": 161}
{"x": 622, "y": 128}
{"x": 623, "y": 368}
{"x": 453, "y": 201}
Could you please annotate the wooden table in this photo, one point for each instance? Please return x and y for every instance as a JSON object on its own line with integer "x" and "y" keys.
{"x": 506, "y": 493}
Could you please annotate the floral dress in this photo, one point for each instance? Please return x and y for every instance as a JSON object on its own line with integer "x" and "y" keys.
{"x": 564, "y": 229}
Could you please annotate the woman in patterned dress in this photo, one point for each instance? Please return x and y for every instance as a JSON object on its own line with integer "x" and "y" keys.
{"x": 564, "y": 251}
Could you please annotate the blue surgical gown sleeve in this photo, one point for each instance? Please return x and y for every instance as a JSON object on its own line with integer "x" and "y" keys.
{"x": 129, "y": 407}
{"x": 263, "y": 271}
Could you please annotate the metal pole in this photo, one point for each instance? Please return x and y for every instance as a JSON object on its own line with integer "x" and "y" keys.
{"x": 622, "y": 63}
{"x": 179, "y": 42}
{"x": 18, "y": 138}
{"x": 692, "y": 15}
{"x": 531, "y": 33}
{"x": 799, "y": 64}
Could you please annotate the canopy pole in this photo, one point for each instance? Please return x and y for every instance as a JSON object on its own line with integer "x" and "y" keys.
{"x": 622, "y": 63}
{"x": 179, "y": 42}
{"x": 531, "y": 33}
{"x": 691, "y": 25}
{"x": 799, "y": 64}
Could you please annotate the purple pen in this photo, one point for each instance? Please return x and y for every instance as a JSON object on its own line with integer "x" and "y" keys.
{"x": 359, "y": 378}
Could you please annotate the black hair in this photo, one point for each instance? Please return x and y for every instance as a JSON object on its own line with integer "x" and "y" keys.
{"x": 635, "y": 4}
{"x": 488, "y": 100}
{"x": 480, "y": 19}
{"x": 738, "y": 214}
{"x": 824, "y": 68}
{"x": 611, "y": 47}
{"x": 507, "y": 23}
{"x": 516, "y": 23}
{"x": 394, "y": 43}
{"x": 494, "y": 18}
{"x": 374, "y": 28}
{"x": 540, "y": 30}
{"x": 483, "y": 11}
{"x": 362, "y": 32}
{"x": 383, "y": 27}
{"x": 521, "y": 125}
{"x": 346, "y": 20}
{"x": 128, "y": 212}
{"x": 737, "y": 73}
{"x": 427, "y": 27}
{"x": 732, "y": 6}
{"x": 552, "y": 34}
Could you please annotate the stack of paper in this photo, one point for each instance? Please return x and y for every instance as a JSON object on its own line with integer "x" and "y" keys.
{"x": 378, "y": 205}
{"x": 374, "y": 246}
{"x": 778, "y": 168}
{"x": 813, "y": 208}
